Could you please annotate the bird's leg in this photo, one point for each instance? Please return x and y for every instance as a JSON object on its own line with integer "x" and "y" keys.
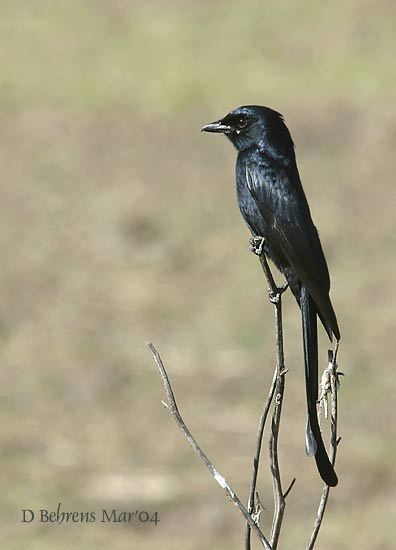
{"x": 256, "y": 245}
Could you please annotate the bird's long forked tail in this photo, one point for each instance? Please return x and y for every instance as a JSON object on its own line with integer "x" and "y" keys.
{"x": 314, "y": 441}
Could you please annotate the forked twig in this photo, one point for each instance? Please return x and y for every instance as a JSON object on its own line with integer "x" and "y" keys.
{"x": 252, "y": 514}
{"x": 173, "y": 409}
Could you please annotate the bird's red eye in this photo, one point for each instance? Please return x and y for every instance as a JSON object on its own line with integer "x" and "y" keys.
{"x": 242, "y": 123}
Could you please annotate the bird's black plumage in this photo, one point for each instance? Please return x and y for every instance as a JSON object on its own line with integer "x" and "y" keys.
{"x": 273, "y": 203}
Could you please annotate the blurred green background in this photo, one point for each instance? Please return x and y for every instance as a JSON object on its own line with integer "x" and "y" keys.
{"x": 119, "y": 225}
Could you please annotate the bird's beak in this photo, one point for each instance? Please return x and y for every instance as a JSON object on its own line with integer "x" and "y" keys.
{"x": 217, "y": 127}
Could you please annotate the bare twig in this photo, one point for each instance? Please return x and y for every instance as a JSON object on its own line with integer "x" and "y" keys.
{"x": 256, "y": 458}
{"x": 277, "y": 389}
{"x": 332, "y": 369}
{"x": 173, "y": 409}
{"x": 279, "y": 499}
{"x": 288, "y": 490}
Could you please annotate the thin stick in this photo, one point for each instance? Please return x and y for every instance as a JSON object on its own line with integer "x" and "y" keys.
{"x": 173, "y": 409}
{"x": 279, "y": 499}
{"x": 277, "y": 388}
{"x": 256, "y": 458}
{"x": 334, "y": 443}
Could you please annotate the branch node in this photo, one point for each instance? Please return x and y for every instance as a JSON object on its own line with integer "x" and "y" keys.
{"x": 257, "y": 510}
{"x": 286, "y": 494}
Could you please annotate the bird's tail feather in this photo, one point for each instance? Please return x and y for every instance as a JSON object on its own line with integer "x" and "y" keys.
{"x": 314, "y": 441}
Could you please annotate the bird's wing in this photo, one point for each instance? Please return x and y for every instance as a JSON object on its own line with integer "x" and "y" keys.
{"x": 281, "y": 201}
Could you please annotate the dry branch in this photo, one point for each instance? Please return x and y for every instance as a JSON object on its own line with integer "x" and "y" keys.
{"x": 333, "y": 390}
{"x": 276, "y": 394}
{"x": 277, "y": 390}
{"x": 173, "y": 409}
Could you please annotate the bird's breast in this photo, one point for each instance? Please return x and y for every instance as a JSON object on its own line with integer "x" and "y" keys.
{"x": 247, "y": 205}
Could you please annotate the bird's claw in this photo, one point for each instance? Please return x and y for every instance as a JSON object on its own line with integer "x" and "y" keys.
{"x": 256, "y": 245}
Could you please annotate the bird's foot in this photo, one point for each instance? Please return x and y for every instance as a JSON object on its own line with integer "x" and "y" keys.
{"x": 256, "y": 245}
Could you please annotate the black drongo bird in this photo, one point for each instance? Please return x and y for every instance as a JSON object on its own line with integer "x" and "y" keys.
{"x": 273, "y": 203}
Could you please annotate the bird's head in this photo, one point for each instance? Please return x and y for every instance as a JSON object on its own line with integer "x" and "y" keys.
{"x": 255, "y": 125}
